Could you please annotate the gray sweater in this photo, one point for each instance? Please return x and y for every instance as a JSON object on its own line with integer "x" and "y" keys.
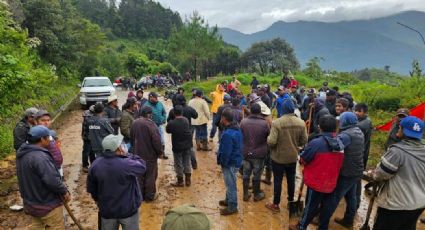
{"x": 402, "y": 168}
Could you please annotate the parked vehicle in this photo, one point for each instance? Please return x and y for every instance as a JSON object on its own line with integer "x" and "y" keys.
{"x": 95, "y": 89}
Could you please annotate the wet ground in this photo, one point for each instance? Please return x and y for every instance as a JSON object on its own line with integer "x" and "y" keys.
{"x": 206, "y": 190}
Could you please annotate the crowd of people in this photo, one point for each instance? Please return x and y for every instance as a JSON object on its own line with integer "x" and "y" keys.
{"x": 323, "y": 132}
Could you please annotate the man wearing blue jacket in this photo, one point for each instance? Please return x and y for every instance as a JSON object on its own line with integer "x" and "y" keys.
{"x": 112, "y": 183}
{"x": 279, "y": 101}
{"x": 40, "y": 184}
{"x": 230, "y": 158}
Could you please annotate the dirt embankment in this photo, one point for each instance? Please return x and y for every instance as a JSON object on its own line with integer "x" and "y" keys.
{"x": 206, "y": 190}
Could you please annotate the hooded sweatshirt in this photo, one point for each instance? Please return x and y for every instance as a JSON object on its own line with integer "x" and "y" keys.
{"x": 230, "y": 148}
{"x": 116, "y": 190}
{"x": 217, "y": 99}
{"x": 322, "y": 159}
{"x": 39, "y": 181}
{"x": 320, "y": 111}
{"x": 403, "y": 169}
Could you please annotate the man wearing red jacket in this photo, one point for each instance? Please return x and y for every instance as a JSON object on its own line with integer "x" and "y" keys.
{"x": 322, "y": 160}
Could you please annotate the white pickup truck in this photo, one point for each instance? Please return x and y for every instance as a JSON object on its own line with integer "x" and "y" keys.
{"x": 95, "y": 89}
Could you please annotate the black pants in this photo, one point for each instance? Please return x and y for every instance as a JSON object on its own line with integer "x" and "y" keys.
{"x": 278, "y": 171}
{"x": 87, "y": 153}
{"x": 397, "y": 219}
{"x": 147, "y": 182}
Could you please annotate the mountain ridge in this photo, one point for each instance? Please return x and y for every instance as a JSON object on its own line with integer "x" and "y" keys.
{"x": 347, "y": 45}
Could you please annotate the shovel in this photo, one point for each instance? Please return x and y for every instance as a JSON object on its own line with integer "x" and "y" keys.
{"x": 296, "y": 208}
{"x": 365, "y": 225}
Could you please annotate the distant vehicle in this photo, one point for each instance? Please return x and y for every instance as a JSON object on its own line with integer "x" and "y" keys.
{"x": 95, "y": 89}
{"x": 117, "y": 82}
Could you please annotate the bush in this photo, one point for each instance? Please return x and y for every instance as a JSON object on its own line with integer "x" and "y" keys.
{"x": 386, "y": 102}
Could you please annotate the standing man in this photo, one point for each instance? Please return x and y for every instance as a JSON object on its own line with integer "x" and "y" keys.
{"x": 189, "y": 113}
{"x": 320, "y": 111}
{"x": 87, "y": 153}
{"x": 200, "y": 123}
{"x": 254, "y": 83}
{"x": 217, "y": 100}
{"x": 146, "y": 142}
{"x": 22, "y": 127}
{"x": 235, "y": 83}
{"x": 392, "y": 136}
{"x": 158, "y": 116}
{"x": 181, "y": 137}
{"x": 330, "y": 101}
{"x": 230, "y": 158}
{"x": 227, "y": 104}
{"x": 350, "y": 174}
{"x": 262, "y": 93}
{"x": 127, "y": 119}
{"x": 295, "y": 95}
{"x": 140, "y": 102}
{"x": 113, "y": 113}
{"x": 287, "y": 136}
{"x": 255, "y": 131}
{"x": 322, "y": 159}
{"x": 40, "y": 184}
{"x": 402, "y": 199}
{"x": 365, "y": 125}
{"x": 99, "y": 128}
{"x": 112, "y": 183}
{"x": 285, "y": 81}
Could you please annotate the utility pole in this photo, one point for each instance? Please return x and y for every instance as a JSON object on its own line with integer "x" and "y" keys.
{"x": 410, "y": 28}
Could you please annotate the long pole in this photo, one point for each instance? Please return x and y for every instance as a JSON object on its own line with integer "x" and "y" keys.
{"x": 410, "y": 28}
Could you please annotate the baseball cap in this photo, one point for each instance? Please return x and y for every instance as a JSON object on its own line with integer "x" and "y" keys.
{"x": 280, "y": 88}
{"x": 330, "y": 92}
{"x": 30, "y": 112}
{"x": 185, "y": 217}
{"x": 41, "y": 113}
{"x": 112, "y": 98}
{"x": 227, "y": 97}
{"x": 311, "y": 91}
{"x": 403, "y": 111}
{"x": 112, "y": 142}
{"x": 412, "y": 127}
{"x": 153, "y": 94}
{"x": 39, "y": 131}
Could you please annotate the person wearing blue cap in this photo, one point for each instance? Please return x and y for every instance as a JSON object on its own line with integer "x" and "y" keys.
{"x": 402, "y": 199}
{"x": 350, "y": 174}
{"x": 40, "y": 184}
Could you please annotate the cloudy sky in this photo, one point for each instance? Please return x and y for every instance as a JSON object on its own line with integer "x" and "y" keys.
{"x": 250, "y": 16}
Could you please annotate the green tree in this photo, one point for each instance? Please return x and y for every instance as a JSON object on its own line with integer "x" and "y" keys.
{"x": 195, "y": 43}
{"x": 270, "y": 56}
{"x": 137, "y": 64}
{"x": 416, "y": 69}
{"x": 313, "y": 69}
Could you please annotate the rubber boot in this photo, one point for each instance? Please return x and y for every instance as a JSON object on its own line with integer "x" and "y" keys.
{"x": 246, "y": 194}
{"x": 268, "y": 179}
{"x": 198, "y": 145}
{"x": 258, "y": 194}
{"x": 205, "y": 146}
{"x": 179, "y": 182}
{"x": 187, "y": 179}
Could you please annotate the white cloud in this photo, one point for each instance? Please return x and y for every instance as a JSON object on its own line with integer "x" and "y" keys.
{"x": 253, "y": 15}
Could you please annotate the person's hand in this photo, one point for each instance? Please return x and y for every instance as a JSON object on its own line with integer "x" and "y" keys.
{"x": 66, "y": 197}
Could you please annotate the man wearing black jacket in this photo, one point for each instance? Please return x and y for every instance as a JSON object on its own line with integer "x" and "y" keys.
{"x": 99, "y": 128}
{"x": 22, "y": 128}
{"x": 113, "y": 113}
{"x": 181, "y": 137}
{"x": 40, "y": 184}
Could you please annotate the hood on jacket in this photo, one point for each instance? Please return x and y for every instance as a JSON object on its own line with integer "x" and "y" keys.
{"x": 335, "y": 144}
{"x": 319, "y": 103}
{"x": 26, "y": 148}
{"x": 288, "y": 106}
{"x": 219, "y": 89}
{"x": 347, "y": 120}
{"x": 414, "y": 146}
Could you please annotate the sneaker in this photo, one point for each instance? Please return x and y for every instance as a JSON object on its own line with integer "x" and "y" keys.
{"x": 343, "y": 222}
{"x": 222, "y": 203}
{"x": 274, "y": 207}
{"x": 227, "y": 211}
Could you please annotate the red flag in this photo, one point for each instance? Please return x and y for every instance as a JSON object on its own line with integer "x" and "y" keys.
{"x": 418, "y": 111}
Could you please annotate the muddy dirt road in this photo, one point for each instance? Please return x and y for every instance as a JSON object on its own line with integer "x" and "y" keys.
{"x": 206, "y": 190}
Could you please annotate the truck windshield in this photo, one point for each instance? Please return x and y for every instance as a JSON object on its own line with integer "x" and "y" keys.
{"x": 97, "y": 82}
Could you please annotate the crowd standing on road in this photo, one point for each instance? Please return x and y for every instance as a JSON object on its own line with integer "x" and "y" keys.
{"x": 325, "y": 132}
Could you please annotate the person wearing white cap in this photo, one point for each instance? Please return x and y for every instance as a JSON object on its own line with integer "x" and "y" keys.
{"x": 112, "y": 183}
{"x": 22, "y": 127}
{"x": 113, "y": 113}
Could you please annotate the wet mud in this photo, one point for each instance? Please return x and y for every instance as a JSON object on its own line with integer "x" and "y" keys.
{"x": 206, "y": 190}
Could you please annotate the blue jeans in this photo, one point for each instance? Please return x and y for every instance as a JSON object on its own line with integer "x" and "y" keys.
{"x": 201, "y": 132}
{"x": 129, "y": 223}
{"x": 214, "y": 127}
{"x": 313, "y": 203}
{"x": 161, "y": 133}
{"x": 346, "y": 187}
{"x": 254, "y": 166}
{"x": 229, "y": 175}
